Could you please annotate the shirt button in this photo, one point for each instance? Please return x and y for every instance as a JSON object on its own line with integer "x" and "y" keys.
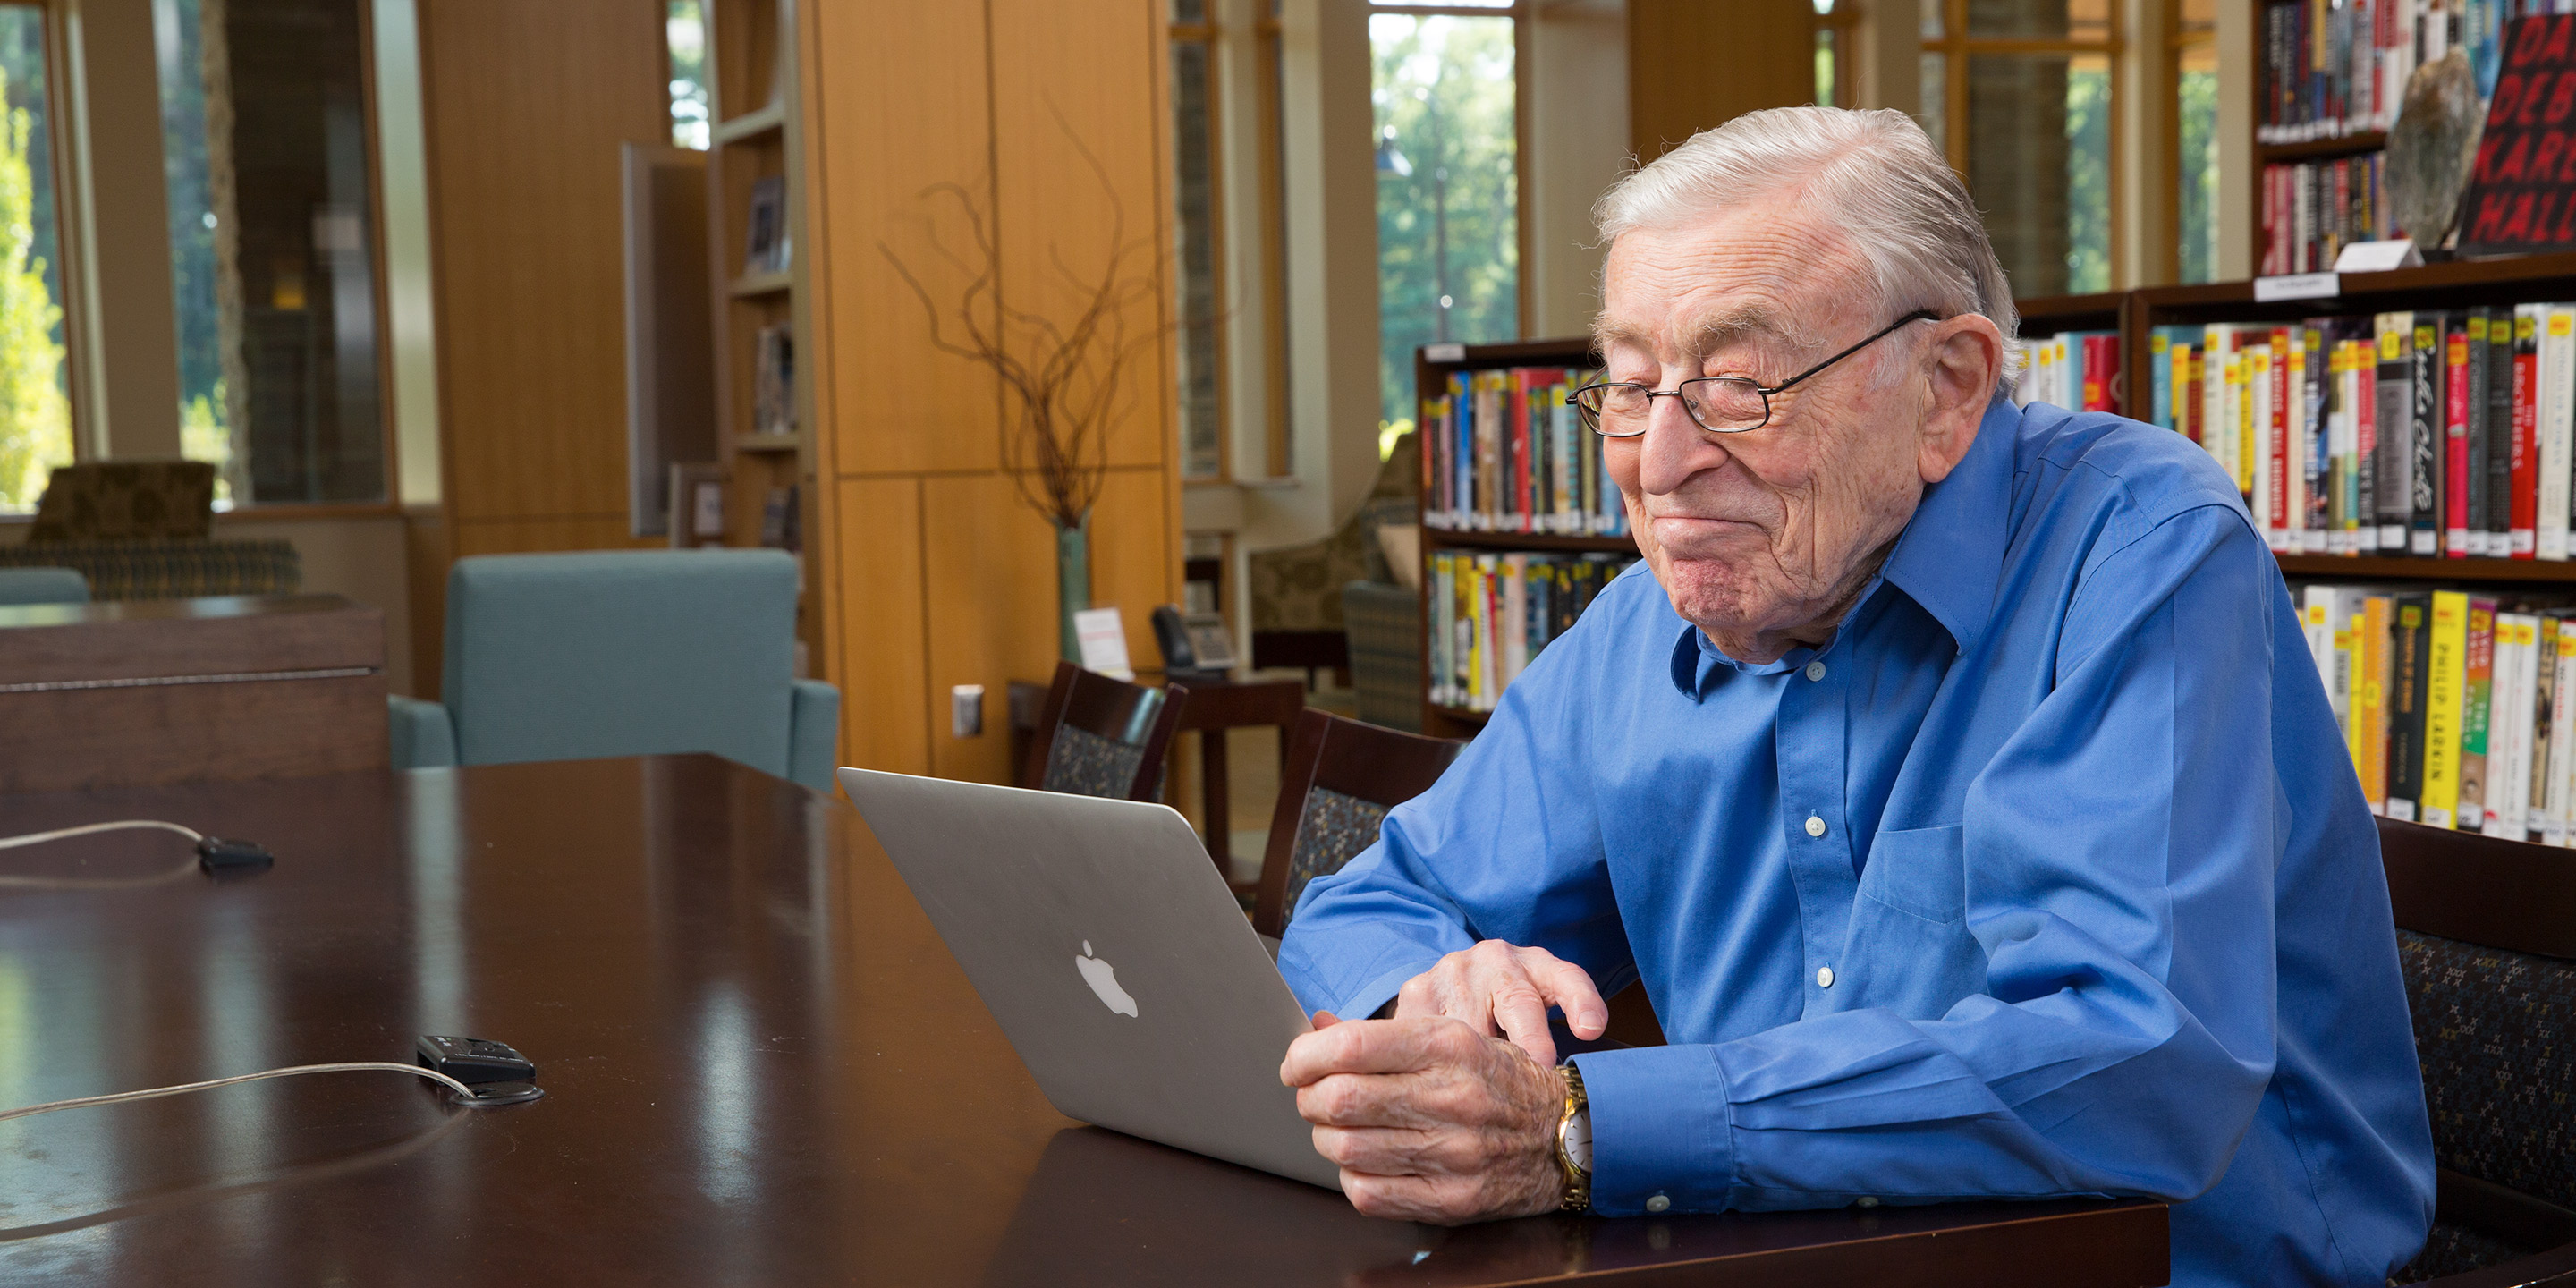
{"x": 1815, "y": 825}
{"x": 1815, "y": 670}
{"x": 1658, "y": 1203}
{"x": 1824, "y": 977}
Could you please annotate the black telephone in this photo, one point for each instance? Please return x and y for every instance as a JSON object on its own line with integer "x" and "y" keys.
{"x": 1193, "y": 644}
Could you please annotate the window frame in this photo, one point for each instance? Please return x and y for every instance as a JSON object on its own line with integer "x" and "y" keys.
{"x": 1523, "y": 14}
{"x": 2179, "y": 41}
{"x": 1956, "y": 47}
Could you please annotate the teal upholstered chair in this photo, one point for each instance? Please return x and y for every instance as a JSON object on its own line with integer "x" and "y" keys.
{"x": 623, "y": 653}
{"x": 43, "y": 586}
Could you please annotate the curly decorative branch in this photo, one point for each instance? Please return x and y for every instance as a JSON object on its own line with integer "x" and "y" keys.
{"x": 1066, "y": 382}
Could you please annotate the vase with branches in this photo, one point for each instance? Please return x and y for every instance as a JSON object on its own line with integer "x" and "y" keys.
{"x": 1064, "y": 382}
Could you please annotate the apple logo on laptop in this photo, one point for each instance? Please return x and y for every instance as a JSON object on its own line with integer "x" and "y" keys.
{"x": 1103, "y": 979}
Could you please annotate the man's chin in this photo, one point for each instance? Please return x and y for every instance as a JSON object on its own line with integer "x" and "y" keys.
{"x": 1710, "y": 593}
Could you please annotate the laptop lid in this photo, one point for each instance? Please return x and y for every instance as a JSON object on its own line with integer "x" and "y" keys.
{"x": 1119, "y": 965}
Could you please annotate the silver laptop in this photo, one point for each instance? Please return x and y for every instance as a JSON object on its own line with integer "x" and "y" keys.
{"x": 1102, "y": 938}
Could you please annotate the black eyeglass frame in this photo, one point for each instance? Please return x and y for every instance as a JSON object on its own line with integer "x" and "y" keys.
{"x": 1592, "y": 416}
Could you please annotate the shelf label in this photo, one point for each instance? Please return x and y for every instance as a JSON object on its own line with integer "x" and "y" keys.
{"x": 2297, "y": 286}
{"x": 1451, "y": 352}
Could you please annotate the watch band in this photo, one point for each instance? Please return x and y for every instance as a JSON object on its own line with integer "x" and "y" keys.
{"x": 1578, "y": 1180}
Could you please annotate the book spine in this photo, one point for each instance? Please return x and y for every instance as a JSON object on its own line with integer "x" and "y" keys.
{"x": 2471, "y": 815}
{"x": 2556, "y": 376}
{"x": 2500, "y": 434}
{"x": 2370, "y": 720}
{"x": 1436, "y": 639}
{"x": 2271, "y": 474}
{"x": 2424, "y": 472}
{"x": 2446, "y": 673}
{"x": 2500, "y": 724}
{"x": 2550, "y": 639}
{"x": 2360, "y": 476}
{"x": 2455, "y": 438}
{"x": 2395, "y": 458}
{"x": 2526, "y": 430}
{"x": 2552, "y": 752}
{"x": 2409, "y": 641}
{"x": 2312, "y": 440}
{"x": 2160, "y": 403}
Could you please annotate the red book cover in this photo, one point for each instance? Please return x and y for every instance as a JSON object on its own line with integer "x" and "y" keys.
{"x": 1516, "y": 509}
{"x": 2526, "y": 446}
{"x": 2455, "y": 433}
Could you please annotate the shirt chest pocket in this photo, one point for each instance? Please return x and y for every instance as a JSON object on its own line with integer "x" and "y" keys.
{"x": 1908, "y": 948}
{"x": 1920, "y": 871}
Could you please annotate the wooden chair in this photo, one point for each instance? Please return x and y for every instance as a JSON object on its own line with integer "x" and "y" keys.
{"x": 1336, "y": 784}
{"x": 2487, "y": 937}
{"x": 1102, "y": 737}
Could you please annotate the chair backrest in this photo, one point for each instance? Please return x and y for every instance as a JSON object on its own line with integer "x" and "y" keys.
{"x": 1339, "y": 780}
{"x": 622, "y": 653}
{"x": 2486, "y": 934}
{"x": 1102, "y": 737}
{"x": 126, "y": 501}
{"x": 43, "y": 586}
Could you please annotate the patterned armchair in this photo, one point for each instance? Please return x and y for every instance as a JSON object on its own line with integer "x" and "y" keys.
{"x": 1335, "y": 787}
{"x": 2486, "y": 934}
{"x": 1297, "y": 617}
{"x": 139, "y": 530}
{"x": 1102, "y": 737}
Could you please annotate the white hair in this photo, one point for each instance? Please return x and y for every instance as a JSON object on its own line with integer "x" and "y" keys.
{"x": 1879, "y": 183}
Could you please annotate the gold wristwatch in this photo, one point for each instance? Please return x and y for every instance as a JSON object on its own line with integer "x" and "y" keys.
{"x": 1574, "y": 1142}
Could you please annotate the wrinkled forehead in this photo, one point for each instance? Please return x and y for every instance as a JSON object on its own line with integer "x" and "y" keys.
{"x": 1745, "y": 277}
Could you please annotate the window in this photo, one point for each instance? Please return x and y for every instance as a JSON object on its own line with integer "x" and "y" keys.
{"x": 685, "y": 36}
{"x": 35, "y": 405}
{"x": 1231, "y": 364}
{"x": 2195, "y": 42}
{"x": 272, "y": 245}
{"x": 1444, "y": 85}
{"x": 1836, "y": 21}
{"x": 2020, "y": 94}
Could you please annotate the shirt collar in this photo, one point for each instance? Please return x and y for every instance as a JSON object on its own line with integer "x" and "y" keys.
{"x": 1951, "y": 554}
{"x": 1948, "y": 559}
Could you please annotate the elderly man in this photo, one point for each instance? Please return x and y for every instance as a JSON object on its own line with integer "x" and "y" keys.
{"x": 1952, "y": 776}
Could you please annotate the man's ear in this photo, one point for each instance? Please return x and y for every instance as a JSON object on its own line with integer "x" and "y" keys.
{"x": 1965, "y": 358}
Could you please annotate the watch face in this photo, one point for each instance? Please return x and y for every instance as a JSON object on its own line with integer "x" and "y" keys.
{"x": 1577, "y": 1140}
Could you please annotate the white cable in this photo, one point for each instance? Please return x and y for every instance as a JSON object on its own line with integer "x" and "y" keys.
{"x": 35, "y": 838}
{"x": 94, "y": 883}
{"x": 120, "y": 1097}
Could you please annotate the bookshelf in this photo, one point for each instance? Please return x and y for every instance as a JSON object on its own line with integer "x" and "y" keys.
{"x": 2452, "y": 285}
{"x": 1432, "y": 365}
{"x": 757, "y": 140}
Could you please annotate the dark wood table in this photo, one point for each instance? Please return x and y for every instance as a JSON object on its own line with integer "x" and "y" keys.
{"x": 762, "y": 1066}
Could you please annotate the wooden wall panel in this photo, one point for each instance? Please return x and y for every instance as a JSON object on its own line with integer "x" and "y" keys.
{"x": 1767, "y": 48}
{"x": 1067, "y": 72}
{"x": 527, "y": 104}
{"x": 990, "y": 564}
{"x": 903, "y": 107}
{"x": 914, "y": 435}
{"x": 887, "y": 704}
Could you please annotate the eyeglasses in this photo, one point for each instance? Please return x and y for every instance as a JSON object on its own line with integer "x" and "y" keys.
{"x": 1718, "y": 404}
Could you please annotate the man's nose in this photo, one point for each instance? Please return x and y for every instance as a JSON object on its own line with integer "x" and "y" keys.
{"x": 1675, "y": 448}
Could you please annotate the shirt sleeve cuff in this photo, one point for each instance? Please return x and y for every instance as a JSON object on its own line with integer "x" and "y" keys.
{"x": 1377, "y": 992}
{"x": 1661, "y": 1127}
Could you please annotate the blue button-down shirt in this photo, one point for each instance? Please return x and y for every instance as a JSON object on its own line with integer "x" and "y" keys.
{"x": 2048, "y": 875}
